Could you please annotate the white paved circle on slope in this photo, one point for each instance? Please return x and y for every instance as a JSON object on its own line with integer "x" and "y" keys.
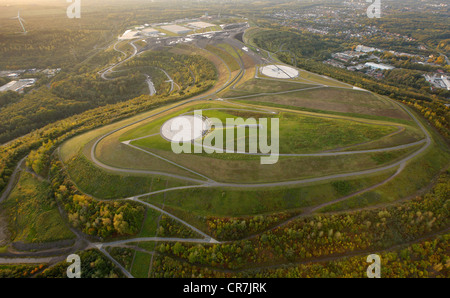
{"x": 185, "y": 128}
{"x": 279, "y": 71}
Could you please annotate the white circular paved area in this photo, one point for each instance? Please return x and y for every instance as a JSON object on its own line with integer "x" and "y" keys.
{"x": 185, "y": 128}
{"x": 279, "y": 71}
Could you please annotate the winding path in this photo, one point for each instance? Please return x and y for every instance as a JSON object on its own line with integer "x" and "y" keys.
{"x": 12, "y": 180}
{"x": 204, "y": 181}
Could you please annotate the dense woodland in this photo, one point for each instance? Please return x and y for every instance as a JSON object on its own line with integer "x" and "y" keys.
{"x": 94, "y": 265}
{"x": 399, "y": 263}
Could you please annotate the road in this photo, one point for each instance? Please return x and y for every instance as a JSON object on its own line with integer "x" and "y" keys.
{"x": 207, "y": 182}
{"x": 12, "y": 180}
{"x": 151, "y": 86}
{"x": 209, "y": 238}
{"x": 212, "y": 183}
{"x": 104, "y": 72}
{"x": 400, "y": 165}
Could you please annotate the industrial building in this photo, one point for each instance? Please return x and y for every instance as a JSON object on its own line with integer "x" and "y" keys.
{"x": 18, "y": 86}
{"x": 200, "y": 25}
{"x": 176, "y": 29}
{"x": 150, "y": 32}
{"x": 438, "y": 81}
{"x": 129, "y": 34}
{"x": 379, "y": 66}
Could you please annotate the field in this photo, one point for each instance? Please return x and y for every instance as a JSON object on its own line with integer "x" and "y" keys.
{"x": 347, "y": 165}
{"x": 324, "y": 132}
{"x": 340, "y": 149}
{"x": 33, "y": 216}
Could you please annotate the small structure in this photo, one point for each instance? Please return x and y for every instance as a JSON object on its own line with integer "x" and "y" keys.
{"x": 185, "y": 128}
{"x": 279, "y": 71}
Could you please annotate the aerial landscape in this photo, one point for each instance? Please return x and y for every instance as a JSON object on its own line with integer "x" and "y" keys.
{"x": 224, "y": 139}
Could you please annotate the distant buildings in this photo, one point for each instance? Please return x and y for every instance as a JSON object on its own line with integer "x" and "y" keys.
{"x": 334, "y": 63}
{"x": 200, "y": 25}
{"x": 18, "y": 86}
{"x": 176, "y": 29}
{"x": 346, "y": 56}
{"x": 150, "y": 32}
{"x": 129, "y": 34}
{"x": 365, "y": 49}
{"x": 378, "y": 66}
{"x": 51, "y": 72}
{"x": 233, "y": 26}
{"x": 438, "y": 81}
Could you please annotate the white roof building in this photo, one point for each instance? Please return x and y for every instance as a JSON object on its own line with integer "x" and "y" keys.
{"x": 379, "y": 66}
{"x": 129, "y": 34}
{"x": 364, "y": 49}
{"x": 200, "y": 25}
{"x": 18, "y": 86}
{"x": 7, "y": 86}
{"x": 446, "y": 82}
{"x": 150, "y": 32}
{"x": 176, "y": 29}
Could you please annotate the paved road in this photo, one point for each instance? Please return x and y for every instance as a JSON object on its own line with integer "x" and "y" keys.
{"x": 156, "y": 239}
{"x": 151, "y": 86}
{"x": 170, "y": 80}
{"x": 104, "y": 72}
{"x": 210, "y": 183}
{"x": 28, "y": 260}
{"x": 117, "y": 50}
{"x": 124, "y": 271}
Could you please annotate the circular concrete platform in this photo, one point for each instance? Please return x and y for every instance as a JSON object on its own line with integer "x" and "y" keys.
{"x": 279, "y": 71}
{"x": 185, "y": 128}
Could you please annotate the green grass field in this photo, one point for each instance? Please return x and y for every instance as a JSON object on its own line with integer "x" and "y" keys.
{"x": 416, "y": 177}
{"x": 226, "y": 56}
{"x": 105, "y": 185}
{"x": 141, "y": 264}
{"x": 32, "y": 213}
{"x": 226, "y": 202}
{"x": 313, "y": 119}
{"x": 256, "y": 86}
{"x": 335, "y": 100}
{"x": 298, "y": 133}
